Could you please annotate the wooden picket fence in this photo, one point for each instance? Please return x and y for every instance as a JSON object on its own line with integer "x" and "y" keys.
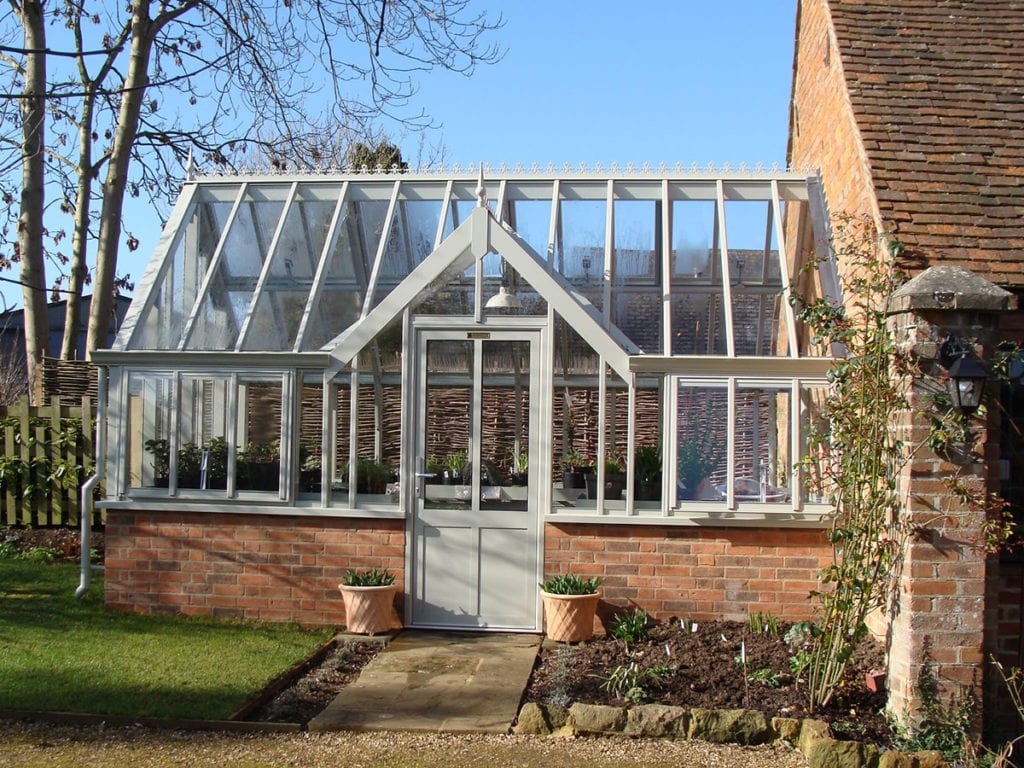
{"x": 46, "y": 453}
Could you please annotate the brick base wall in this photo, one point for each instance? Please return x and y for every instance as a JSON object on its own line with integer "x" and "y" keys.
{"x": 244, "y": 566}
{"x": 1004, "y": 641}
{"x": 693, "y": 573}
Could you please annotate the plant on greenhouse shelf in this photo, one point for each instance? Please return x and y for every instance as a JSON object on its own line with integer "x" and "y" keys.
{"x": 455, "y": 466}
{"x": 259, "y": 466}
{"x": 371, "y": 476}
{"x": 369, "y": 597}
{"x": 574, "y": 468}
{"x": 519, "y": 466}
{"x": 647, "y": 472}
{"x": 614, "y": 480}
{"x": 570, "y": 604}
{"x": 697, "y": 456}
{"x": 161, "y": 450}
{"x": 190, "y": 459}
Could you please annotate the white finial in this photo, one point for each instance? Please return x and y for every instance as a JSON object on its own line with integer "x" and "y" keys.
{"x": 189, "y": 166}
{"x": 481, "y": 190}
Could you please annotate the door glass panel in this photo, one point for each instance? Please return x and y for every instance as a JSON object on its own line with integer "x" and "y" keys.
{"x": 504, "y": 425}
{"x": 449, "y": 402}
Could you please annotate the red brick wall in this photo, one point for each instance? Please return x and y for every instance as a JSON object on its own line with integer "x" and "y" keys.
{"x": 693, "y": 573}
{"x": 274, "y": 568}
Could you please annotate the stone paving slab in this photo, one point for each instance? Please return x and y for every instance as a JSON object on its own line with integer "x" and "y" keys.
{"x": 453, "y": 682}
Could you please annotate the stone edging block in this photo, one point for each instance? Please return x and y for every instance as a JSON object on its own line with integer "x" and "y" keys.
{"x": 735, "y": 726}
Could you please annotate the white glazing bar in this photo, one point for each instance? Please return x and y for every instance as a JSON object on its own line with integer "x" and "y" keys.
{"x": 323, "y": 265}
{"x": 670, "y": 419}
{"x": 631, "y": 445}
{"x": 553, "y": 226}
{"x": 378, "y": 261}
{"x": 446, "y": 203}
{"x": 261, "y": 281}
{"x": 329, "y": 435}
{"x": 174, "y": 440}
{"x": 353, "y": 436}
{"x": 795, "y": 444}
{"x": 602, "y": 441}
{"x": 609, "y": 254}
{"x": 787, "y": 291}
{"x": 476, "y": 427}
{"x": 407, "y": 432}
{"x": 215, "y": 260}
{"x": 149, "y": 288}
{"x": 730, "y": 447}
{"x": 727, "y": 309}
{"x": 666, "y": 268}
{"x": 231, "y": 435}
{"x": 290, "y": 417}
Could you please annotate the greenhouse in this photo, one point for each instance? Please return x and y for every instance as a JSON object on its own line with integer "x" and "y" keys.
{"x": 466, "y": 358}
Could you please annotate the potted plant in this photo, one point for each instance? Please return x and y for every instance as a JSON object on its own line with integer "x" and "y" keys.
{"x": 574, "y": 467}
{"x": 259, "y": 467}
{"x": 647, "y": 472}
{"x": 311, "y": 469}
{"x": 696, "y": 458}
{"x": 570, "y": 604}
{"x": 519, "y": 466}
{"x": 371, "y": 476}
{"x": 369, "y": 601}
{"x": 161, "y": 450}
{"x": 614, "y": 480}
{"x": 455, "y": 468}
{"x": 190, "y": 459}
{"x": 217, "y": 463}
{"x": 435, "y": 470}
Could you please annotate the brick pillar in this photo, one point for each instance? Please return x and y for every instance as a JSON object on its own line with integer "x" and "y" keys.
{"x": 939, "y": 612}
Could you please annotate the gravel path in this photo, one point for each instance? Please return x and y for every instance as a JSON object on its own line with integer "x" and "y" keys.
{"x": 41, "y": 745}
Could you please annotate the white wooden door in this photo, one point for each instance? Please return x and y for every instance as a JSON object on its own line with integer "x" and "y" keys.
{"x": 475, "y": 554}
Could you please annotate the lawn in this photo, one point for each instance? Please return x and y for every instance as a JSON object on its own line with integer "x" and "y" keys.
{"x": 58, "y": 653}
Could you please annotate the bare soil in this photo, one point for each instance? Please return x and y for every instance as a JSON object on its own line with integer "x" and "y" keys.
{"x": 703, "y": 668}
{"x": 63, "y": 541}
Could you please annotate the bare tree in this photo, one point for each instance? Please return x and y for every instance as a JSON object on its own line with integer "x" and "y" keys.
{"x": 210, "y": 78}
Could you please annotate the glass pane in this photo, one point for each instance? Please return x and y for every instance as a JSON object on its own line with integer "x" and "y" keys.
{"x": 164, "y": 322}
{"x": 815, "y": 430}
{"x": 579, "y": 246}
{"x": 702, "y": 440}
{"x": 446, "y": 449}
{"x": 149, "y": 430}
{"x": 693, "y": 239}
{"x": 310, "y": 432}
{"x": 339, "y": 465}
{"x": 636, "y": 235}
{"x": 698, "y": 324}
{"x": 203, "y": 452}
{"x": 762, "y": 446}
{"x": 344, "y": 286}
{"x": 755, "y": 321}
{"x": 638, "y": 315}
{"x": 279, "y": 308}
{"x": 648, "y": 457}
{"x": 504, "y": 425}
{"x": 258, "y": 465}
{"x": 234, "y": 280}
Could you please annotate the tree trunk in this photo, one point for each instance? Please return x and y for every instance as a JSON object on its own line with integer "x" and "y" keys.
{"x": 83, "y": 203}
{"x": 133, "y": 95}
{"x": 30, "y": 221}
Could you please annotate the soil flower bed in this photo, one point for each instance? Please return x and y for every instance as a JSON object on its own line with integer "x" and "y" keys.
{"x": 686, "y": 666}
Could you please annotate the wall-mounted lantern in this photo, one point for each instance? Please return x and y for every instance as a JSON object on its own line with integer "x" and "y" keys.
{"x": 966, "y": 382}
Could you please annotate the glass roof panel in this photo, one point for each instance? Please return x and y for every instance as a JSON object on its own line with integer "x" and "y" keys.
{"x": 234, "y": 275}
{"x": 220, "y": 279}
{"x": 184, "y": 269}
{"x": 279, "y": 308}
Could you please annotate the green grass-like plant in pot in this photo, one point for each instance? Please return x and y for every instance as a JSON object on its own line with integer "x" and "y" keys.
{"x": 570, "y": 604}
{"x": 369, "y": 597}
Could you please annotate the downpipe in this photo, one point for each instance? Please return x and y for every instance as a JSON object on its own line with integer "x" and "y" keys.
{"x": 87, "y": 505}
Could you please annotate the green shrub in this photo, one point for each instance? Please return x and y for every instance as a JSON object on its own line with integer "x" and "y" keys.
{"x": 630, "y": 627}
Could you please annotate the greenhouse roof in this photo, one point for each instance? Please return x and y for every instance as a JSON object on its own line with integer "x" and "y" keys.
{"x": 658, "y": 263}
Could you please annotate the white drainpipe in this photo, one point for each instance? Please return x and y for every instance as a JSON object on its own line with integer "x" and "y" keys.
{"x": 86, "y": 507}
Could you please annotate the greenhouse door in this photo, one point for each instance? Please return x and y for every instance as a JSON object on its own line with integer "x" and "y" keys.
{"x": 475, "y": 554}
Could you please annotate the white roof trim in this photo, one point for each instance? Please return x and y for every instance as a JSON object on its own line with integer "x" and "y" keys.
{"x": 479, "y": 235}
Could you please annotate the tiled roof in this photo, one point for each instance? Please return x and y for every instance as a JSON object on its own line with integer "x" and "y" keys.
{"x": 937, "y": 88}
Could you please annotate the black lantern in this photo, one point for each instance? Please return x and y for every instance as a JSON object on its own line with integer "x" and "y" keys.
{"x": 966, "y": 384}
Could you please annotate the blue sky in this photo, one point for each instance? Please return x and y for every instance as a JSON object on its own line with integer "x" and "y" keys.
{"x": 679, "y": 81}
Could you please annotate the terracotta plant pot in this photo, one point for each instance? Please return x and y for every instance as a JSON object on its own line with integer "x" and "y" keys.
{"x": 874, "y": 680}
{"x": 569, "y": 618}
{"x": 369, "y": 610}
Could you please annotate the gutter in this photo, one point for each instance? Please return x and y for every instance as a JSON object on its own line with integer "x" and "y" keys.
{"x": 86, "y": 507}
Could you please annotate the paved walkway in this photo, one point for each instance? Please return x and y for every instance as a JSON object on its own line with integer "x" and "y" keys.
{"x": 453, "y": 682}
